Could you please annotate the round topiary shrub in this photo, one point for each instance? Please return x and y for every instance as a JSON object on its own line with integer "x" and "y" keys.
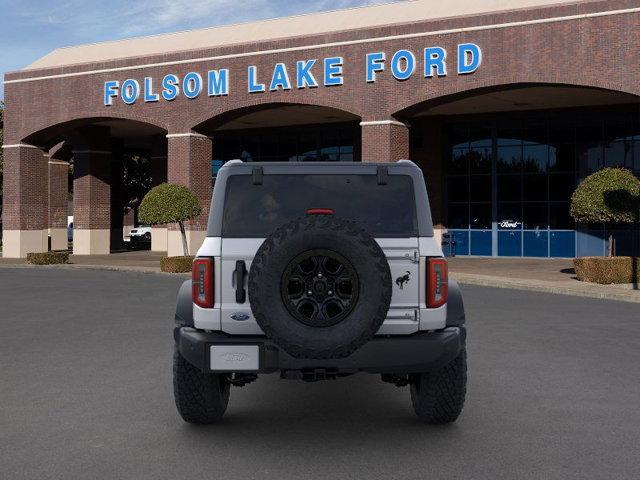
{"x": 170, "y": 203}
{"x": 48, "y": 258}
{"x": 176, "y": 264}
{"x": 611, "y": 195}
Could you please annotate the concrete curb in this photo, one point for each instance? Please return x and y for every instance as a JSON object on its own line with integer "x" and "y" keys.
{"x": 113, "y": 268}
{"x": 574, "y": 288}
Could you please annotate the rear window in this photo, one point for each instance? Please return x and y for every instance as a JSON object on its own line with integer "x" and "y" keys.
{"x": 257, "y": 210}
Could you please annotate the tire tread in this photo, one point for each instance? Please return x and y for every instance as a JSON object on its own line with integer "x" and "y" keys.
{"x": 438, "y": 397}
{"x": 200, "y": 398}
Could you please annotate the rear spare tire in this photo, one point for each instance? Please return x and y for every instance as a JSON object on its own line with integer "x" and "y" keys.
{"x": 320, "y": 287}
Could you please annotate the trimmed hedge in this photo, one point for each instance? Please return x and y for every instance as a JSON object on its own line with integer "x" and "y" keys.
{"x": 607, "y": 270}
{"x": 176, "y": 264}
{"x": 48, "y": 258}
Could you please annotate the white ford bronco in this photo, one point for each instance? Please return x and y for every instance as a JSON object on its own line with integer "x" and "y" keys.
{"x": 318, "y": 271}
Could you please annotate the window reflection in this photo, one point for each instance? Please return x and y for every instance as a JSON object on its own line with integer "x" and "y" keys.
{"x": 510, "y": 159}
{"x": 335, "y": 143}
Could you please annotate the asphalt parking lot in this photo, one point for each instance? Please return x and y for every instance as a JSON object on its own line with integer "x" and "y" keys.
{"x": 85, "y": 382}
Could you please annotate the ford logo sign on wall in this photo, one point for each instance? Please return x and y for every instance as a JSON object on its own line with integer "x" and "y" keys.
{"x": 509, "y": 224}
{"x": 240, "y": 316}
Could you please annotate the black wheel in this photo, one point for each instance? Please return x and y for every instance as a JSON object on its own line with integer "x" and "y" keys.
{"x": 200, "y": 397}
{"x": 438, "y": 397}
{"x": 147, "y": 236}
{"x": 320, "y": 287}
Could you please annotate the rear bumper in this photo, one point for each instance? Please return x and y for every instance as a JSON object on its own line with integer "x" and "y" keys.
{"x": 420, "y": 352}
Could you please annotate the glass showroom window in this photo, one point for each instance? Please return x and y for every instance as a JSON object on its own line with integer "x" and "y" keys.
{"x": 331, "y": 143}
{"x": 510, "y": 178}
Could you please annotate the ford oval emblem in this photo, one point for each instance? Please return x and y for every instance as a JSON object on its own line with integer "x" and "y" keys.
{"x": 240, "y": 316}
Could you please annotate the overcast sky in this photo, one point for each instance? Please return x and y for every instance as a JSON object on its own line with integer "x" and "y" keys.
{"x": 30, "y": 29}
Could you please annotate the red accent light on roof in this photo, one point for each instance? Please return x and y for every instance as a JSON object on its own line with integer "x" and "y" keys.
{"x": 320, "y": 211}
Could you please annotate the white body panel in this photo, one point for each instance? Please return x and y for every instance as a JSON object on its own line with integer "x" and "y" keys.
{"x": 406, "y": 257}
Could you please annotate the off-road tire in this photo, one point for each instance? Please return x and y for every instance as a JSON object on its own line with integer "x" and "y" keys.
{"x": 438, "y": 397}
{"x": 200, "y": 397}
{"x": 305, "y": 234}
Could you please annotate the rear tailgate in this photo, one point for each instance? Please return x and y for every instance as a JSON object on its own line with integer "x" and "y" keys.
{"x": 401, "y": 253}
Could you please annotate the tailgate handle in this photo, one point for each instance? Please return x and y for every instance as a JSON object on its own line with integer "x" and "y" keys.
{"x": 241, "y": 271}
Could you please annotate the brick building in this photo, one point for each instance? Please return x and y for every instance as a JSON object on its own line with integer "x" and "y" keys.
{"x": 504, "y": 104}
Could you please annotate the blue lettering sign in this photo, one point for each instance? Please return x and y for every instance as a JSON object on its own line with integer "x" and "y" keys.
{"x": 254, "y": 87}
{"x": 130, "y": 91}
{"x": 403, "y": 64}
{"x": 375, "y": 63}
{"x": 469, "y": 58}
{"x": 434, "y": 59}
{"x": 170, "y": 87}
{"x": 218, "y": 82}
{"x": 192, "y": 85}
{"x": 304, "y": 77}
{"x": 280, "y": 78}
{"x": 110, "y": 92}
{"x": 149, "y": 96}
{"x": 333, "y": 71}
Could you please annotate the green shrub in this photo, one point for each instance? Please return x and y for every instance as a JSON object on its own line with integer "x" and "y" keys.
{"x": 611, "y": 195}
{"x": 607, "y": 270}
{"x": 170, "y": 203}
{"x": 48, "y": 258}
{"x": 176, "y": 264}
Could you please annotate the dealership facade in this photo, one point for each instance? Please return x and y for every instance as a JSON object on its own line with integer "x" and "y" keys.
{"x": 504, "y": 104}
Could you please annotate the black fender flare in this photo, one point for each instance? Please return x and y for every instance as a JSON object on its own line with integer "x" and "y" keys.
{"x": 184, "y": 306}
{"x": 455, "y": 305}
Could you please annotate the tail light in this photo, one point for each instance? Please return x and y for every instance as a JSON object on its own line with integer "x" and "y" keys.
{"x": 437, "y": 282}
{"x": 202, "y": 282}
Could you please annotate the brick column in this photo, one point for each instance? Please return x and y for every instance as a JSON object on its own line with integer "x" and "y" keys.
{"x": 384, "y": 141}
{"x": 117, "y": 208}
{"x": 91, "y": 202}
{"x": 25, "y": 211}
{"x": 92, "y": 192}
{"x": 159, "y": 175}
{"x": 58, "y": 191}
{"x": 189, "y": 164}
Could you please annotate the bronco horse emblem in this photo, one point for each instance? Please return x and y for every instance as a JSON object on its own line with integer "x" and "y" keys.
{"x": 400, "y": 281}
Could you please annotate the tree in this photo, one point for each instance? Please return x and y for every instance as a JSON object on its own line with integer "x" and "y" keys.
{"x": 136, "y": 181}
{"x": 611, "y": 195}
{"x": 170, "y": 203}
